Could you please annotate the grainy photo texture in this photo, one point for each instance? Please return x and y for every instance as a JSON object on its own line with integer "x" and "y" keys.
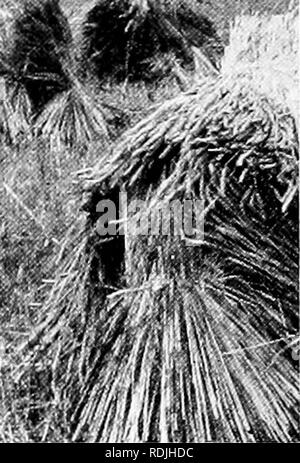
{"x": 149, "y": 221}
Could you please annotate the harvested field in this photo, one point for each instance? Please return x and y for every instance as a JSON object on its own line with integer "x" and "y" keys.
{"x": 129, "y": 335}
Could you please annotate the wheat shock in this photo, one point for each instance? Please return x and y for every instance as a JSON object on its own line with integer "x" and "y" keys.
{"x": 165, "y": 309}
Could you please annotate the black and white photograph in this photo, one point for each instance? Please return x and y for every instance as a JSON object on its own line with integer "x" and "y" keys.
{"x": 149, "y": 224}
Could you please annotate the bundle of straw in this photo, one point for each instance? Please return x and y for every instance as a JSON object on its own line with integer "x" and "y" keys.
{"x": 34, "y": 62}
{"x": 256, "y": 53}
{"x": 235, "y": 126}
{"x": 187, "y": 343}
{"x": 39, "y": 57}
{"x": 124, "y": 37}
{"x": 185, "y": 355}
{"x": 15, "y": 112}
{"x": 15, "y": 106}
{"x": 41, "y": 51}
{"x": 73, "y": 118}
{"x": 194, "y": 348}
{"x": 205, "y": 140}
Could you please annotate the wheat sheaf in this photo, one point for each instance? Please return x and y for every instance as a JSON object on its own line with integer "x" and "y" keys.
{"x": 190, "y": 344}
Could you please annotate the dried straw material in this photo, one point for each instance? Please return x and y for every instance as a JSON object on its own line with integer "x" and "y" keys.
{"x": 190, "y": 358}
{"x": 235, "y": 125}
{"x": 38, "y": 55}
{"x": 41, "y": 51}
{"x": 257, "y": 53}
{"x": 125, "y": 38}
{"x": 181, "y": 353}
{"x": 35, "y": 62}
{"x": 15, "y": 113}
{"x": 206, "y": 138}
{"x": 5, "y": 27}
{"x": 178, "y": 343}
{"x": 15, "y": 106}
{"x": 73, "y": 119}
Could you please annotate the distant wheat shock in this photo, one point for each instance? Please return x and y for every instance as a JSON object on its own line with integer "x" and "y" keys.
{"x": 143, "y": 38}
{"x": 45, "y": 96}
{"x": 144, "y": 338}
